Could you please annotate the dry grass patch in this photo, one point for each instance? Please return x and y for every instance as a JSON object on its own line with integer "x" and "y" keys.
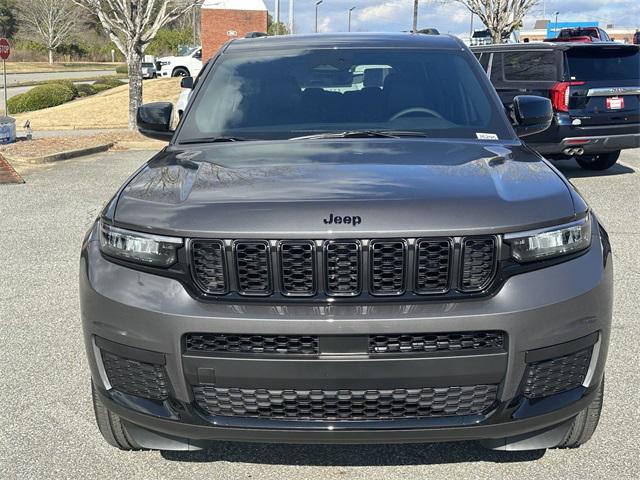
{"x": 106, "y": 110}
{"x": 29, "y": 67}
{"x": 41, "y": 147}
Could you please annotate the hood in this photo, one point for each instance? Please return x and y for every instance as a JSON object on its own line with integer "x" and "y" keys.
{"x": 298, "y": 188}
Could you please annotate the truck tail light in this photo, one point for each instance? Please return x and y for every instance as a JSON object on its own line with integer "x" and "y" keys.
{"x": 560, "y": 95}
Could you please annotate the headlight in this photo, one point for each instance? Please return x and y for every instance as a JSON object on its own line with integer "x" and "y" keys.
{"x": 154, "y": 250}
{"x": 550, "y": 242}
{"x": 165, "y": 63}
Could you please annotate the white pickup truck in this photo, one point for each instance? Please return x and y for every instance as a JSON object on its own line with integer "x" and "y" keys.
{"x": 187, "y": 64}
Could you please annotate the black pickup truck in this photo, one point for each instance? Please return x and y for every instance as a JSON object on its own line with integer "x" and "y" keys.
{"x": 594, "y": 89}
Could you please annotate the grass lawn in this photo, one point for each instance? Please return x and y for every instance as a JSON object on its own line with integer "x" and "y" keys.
{"x": 105, "y": 110}
{"x": 28, "y": 67}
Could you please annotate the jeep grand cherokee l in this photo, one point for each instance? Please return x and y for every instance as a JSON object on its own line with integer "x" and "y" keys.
{"x": 594, "y": 88}
{"x": 345, "y": 241}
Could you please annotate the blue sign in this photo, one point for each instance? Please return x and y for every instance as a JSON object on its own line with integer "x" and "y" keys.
{"x": 553, "y": 29}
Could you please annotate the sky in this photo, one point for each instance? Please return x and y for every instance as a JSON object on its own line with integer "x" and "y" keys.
{"x": 448, "y": 16}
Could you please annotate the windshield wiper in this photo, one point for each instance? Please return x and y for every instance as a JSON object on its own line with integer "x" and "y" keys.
{"x": 213, "y": 140}
{"x": 363, "y": 134}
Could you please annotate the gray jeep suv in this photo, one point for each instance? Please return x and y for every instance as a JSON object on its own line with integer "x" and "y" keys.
{"x": 345, "y": 241}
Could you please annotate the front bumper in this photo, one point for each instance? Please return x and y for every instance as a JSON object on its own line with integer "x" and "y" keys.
{"x": 544, "y": 314}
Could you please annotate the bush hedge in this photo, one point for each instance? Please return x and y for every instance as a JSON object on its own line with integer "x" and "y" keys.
{"x": 85, "y": 90}
{"x": 68, "y": 84}
{"x": 111, "y": 82}
{"x": 101, "y": 87}
{"x": 42, "y": 96}
{"x": 122, "y": 69}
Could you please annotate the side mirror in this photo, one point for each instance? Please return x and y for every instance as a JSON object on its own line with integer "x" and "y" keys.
{"x": 186, "y": 82}
{"x": 154, "y": 120}
{"x": 532, "y": 114}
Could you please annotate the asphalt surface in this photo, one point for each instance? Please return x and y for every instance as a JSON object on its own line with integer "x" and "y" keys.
{"x": 15, "y": 78}
{"x": 47, "y": 428}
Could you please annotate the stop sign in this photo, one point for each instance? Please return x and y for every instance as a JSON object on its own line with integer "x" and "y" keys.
{"x": 5, "y": 49}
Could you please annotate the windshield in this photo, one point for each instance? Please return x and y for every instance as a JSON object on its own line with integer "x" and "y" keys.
{"x": 437, "y": 93}
{"x": 604, "y": 63}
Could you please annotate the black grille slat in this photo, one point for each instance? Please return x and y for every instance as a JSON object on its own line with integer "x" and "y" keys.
{"x": 343, "y": 266}
{"x": 253, "y": 267}
{"x": 433, "y": 265}
{"x": 208, "y": 265}
{"x": 390, "y": 267}
{"x": 137, "y": 378}
{"x": 478, "y": 263}
{"x": 251, "y": 344}
{"x": 297, "y": 268}
{"x": 556, "y": 375}
{"x": 388, "y": 263}
{"x": 345, "y": 404}
{"x": 436, "y": 342}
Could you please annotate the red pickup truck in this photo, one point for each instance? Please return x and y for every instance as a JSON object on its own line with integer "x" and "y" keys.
{"x": 582, "y": 34}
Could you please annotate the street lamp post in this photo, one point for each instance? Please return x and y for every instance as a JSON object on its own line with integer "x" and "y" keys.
{"x": 555, "y": 29}
{"x": 317, "y": 5}
{"x": 350, "y": 10}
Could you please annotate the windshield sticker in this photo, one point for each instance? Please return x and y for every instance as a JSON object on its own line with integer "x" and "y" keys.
{"x": 486, "y": 136}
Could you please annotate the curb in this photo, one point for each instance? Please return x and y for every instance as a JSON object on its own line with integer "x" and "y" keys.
{"x": 56, "y": 157}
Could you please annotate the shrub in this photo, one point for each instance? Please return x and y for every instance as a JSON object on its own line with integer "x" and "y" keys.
{"x": 85, "y": 90}
{"x": 42, "y": 96}
{"x": 101, "y": 87}
{"x": 110, "y": 81}
{"x": 122, "y": 69}
{"x": 14, "y": 104}
{"x": 68, "y": 84}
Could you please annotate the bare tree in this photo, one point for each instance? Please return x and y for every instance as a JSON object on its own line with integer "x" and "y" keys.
{"x": 132, "y": 25}
{"x": 501, "y": 17}
{"x": 52, "y": 21}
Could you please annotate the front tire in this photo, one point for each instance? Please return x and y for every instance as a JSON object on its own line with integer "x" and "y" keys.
{"x": 111, "y": 426}
{"x": 585, "y": 423}
{"x": 180, "y": 72}
{"x": 598, "y": 161}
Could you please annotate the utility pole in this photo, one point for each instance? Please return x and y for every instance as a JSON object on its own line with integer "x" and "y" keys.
{"x": 555, "y": 30}
{"x": 291, "y": 22}
{"x": 350, "y": 10}
{"x": 277, "y": 32}
{"x": 415, "y": 16}
{"x": 471, "y": 28}
{"x": 318, "y": 3}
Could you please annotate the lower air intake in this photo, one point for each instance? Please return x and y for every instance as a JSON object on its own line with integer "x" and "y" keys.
{"x": 345, "y": 404}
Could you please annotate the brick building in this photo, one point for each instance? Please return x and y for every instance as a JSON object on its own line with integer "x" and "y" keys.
{"x": 222, "y": 20}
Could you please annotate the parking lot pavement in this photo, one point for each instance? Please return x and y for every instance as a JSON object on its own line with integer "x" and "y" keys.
{"x": 47, "y": 428}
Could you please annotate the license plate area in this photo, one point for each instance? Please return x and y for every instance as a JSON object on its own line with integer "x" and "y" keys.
{"x": 615, "y": 103}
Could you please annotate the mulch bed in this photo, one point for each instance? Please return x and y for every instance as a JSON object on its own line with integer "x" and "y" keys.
{"x": 7, "y": 173}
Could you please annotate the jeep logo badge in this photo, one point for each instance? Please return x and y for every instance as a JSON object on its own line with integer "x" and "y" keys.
{"x": 343, "y": 220}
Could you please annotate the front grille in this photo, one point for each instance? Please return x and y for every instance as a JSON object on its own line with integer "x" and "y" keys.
{"x": 137, "y": 378}
{"x": 345, "y": 268}
{"x": 560, "y": 374}
{"x": 345, "y": 404}
{"x": 388, "y": 267}
{"x": 478, "y": 263}
{"x": 253, "y": 268}
{"x": 433, "y": 266}
{"x": 267, "y": 344}
{"x": 297, "y": 264}
{"x": 208, "y": 263}
{"x": 436, "y": 342}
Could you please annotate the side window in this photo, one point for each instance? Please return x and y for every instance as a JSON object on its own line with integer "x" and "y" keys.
{"x": 496, "y": 69}
{"x": 604, "y": 36}
{"x": 527, "y": 66}
{"x": 483, "y": 58}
